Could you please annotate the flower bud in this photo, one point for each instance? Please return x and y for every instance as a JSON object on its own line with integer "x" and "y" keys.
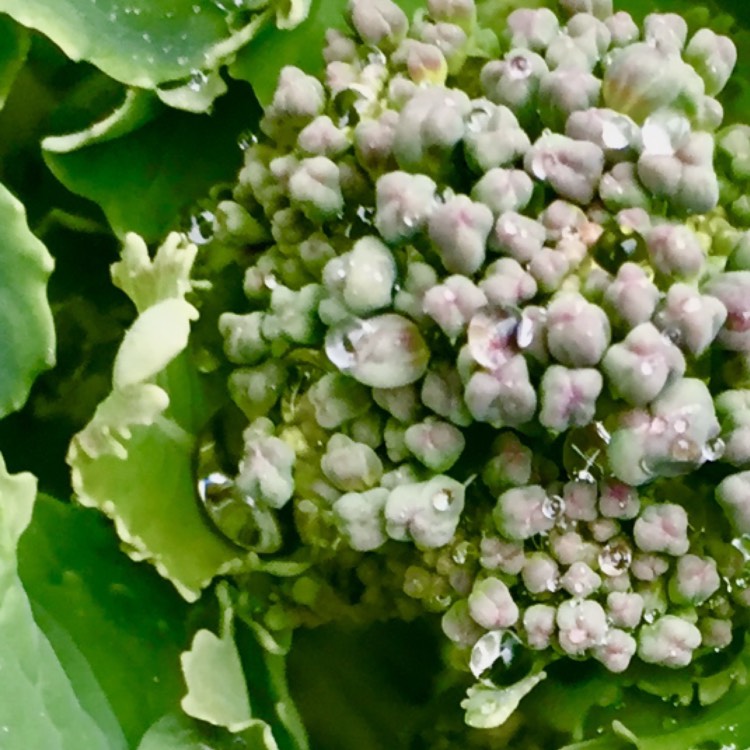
{"x": 297, "y": 99}
{"x": 453, "y": 303}
{"x": 638, "y": 368}
{"x": 379, "y": 23}
{"x": 458, "y": 625}
{"x": 459, "y": 229}
{"x": 662, "y": 528}
{"x": 532, "y": 28}
{"x": 539, "y": 624}
{"x": 580, "y": 501}
{"x": 514, "y": 81}
{"x": 504, "y": 397}
{"x": 359, "y": 518}
{"x": 491, "y": 605}
{"x": 582, "y": 624}
{"x": 694, "y": 581}
{"x": 549, "y": 267}
{"x": 373, "y": 142}
{"x": 436, "y": 444}
{"x": 632, "y": 297}
{"x": 442, "y": 392}
{"x": 518, "y": 236}
{"x": 617, "y": 650}
{"x": 493, "y": 137}
{"x": 243, "y": 338}
{"x": 540, "y": 574}
{"x": 337, "y": 399}
{"x": 519, "y": 513}
{"x": 509, "y": 464}
{"x": 507, "y": 285}
{"x": 569, "y": 397}
{"x": 733, "y": 494}
{"x": 665, "y": 31}
{"x": 503, "y": 190}
{"x": 404, "y": 203}
{"x": 713, "y": 57}
{"x": 350, "y": 466}
{"x": 675, "y": 250}
{"x": 618, "y": 500}
{"x": 578, "y": 332}
{"x": 571, "y": 168}
{"x": 496, "y": 554}
{"x": 625, "y": 609}
{"x": 256, "y": 390}
{"x": 623, "y": 29}
{"x": 732, "y": 289}
{"x": 670, "y": 641}
{"x": 580, "y": 580}
{"x": 461, "y": 12}
{"x": 425, "y": 63}
{"x": 315, "y": 187}
{"x": 402, "y": 403}
{"x": 568, "y": 54}
{"x": 322, "y": 138}
{"x": 598, "y": 8}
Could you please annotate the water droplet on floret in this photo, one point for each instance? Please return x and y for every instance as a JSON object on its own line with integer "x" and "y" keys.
{"x": 615, "y": 558}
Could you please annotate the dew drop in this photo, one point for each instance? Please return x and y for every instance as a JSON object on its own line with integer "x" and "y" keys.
{"x": 341, "y": 343}
{"x": 491, "y": 337}
{"x": 553, "y": 507}
{"x": 441, "y": 500}
{"x": 614, "y": 134}
{"x": 198, "y": 79}
{"x": 486, "y": 652}
{"x": 615, "y": 558}
{"x": 714, "y": 450}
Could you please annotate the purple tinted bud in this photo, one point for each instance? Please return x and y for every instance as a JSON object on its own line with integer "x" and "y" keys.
{"x": 586, "y": 25}
{"x": 510, "y": 464}
{"x": 322, "y": 138}
{"x": 623, "y": 29}
{"x": 734, "y": 411}
{"x": 713, "y": 57}
{"x": 599, "y": 8}
{"x": 493, "y": 138}
{"x": 563, "y": 92}
{"x": 425, "y": 63}
{"x": 520, "y": 513}
{"x": 359, "y": 518}
{"x": 580, "y": 580}
{"x": 540, "y": 574}
{"x": 506, "y": 284}
{"x": 691, "y": 319}
{"x": 733, "y": 494}
{"x": 618, "y": 500}
{"x": 675, "y": 250}
{"x": 648, "y": 567}
{"x": 340, "y": 76}
{"x": 571, "y": 168}
{"x": 504, "y": 190}
{"x": 549, "y": 267}
{"x": 694, "y": 581}
{"x": 450, "y": 39}
{"x": 625, "y": 609}
{"x": 350, "y": 466}
{"x": 437, "y": 445}
{"x": 442, "y": 392}
{"x": 685, "y": 175}
{"x": 514, "y": 81}
{"x": 716, "y": 633}
{"x": 666, "y": 31}
{"x": 569, "y": 547}
{"x": 491, "y": 605}
{"x": 453, "y": 303}
{"x": 732, "y": 289}
{"x": 496, "y": 554}
{"x": 631, "y": 298}
{"x": 401, "y": 403}
{"x": 617, "y": 650}
{"x": 315, "y": 187}
{"x": 568, "y": 54}
{"x": 373, "y": 141}
{"x": 638, "y": 368}
{"x": 569, "y": 397}
{"x": 379, "y": 23}
{"x": 404, "y": 203}
{"x": 562, "y": 219}
{"x": 339, "y": 47}
{"x": 429, "y": 126}
{"x": 427, "y": 513}
{"x": 582, "y": 624}
{"x": 458, "y": 625}
{"x": 539, "y": 624}
{"x": 504, "y": 397}
{"x": 670, "y": 641}
{"x": 370, "y": 276}
{"x": 461, "y": 12}
{"x": 580, "y": 501}
{"x": 578, "y": 332}
{"x": 517, "y": 236}
{"x": 532, "y": 28}
{"x": 298, "y": 98}
{"x": 603, "y": 529}
{"x": 459, "y": 229}
{"x": 662, "y": 528}
{"x": 642, "y": 79}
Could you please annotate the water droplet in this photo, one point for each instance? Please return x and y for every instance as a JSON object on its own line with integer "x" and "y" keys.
{"x": 442, "y": 500}
{"x": 714, "y": 450}
{"x": 182, "y": 60}
{"x": 492, "y": 337}
{"x": 198, "y": 79}
{"x": 519, "y": 67}
{"x": 341, "y": 343}
{"x": 196, "y": 9}
{"x": 615, "y": 558}
{"x": 461, "y": 553}
{"x": 615, "y": 133}
{"x": 553, "y": 507}
{"x": 486, "y": 652}
{"x": 526, "y": 331}
{"x": 201, "y": 228}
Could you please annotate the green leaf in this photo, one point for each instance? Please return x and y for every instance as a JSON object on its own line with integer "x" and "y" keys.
{"x": 217, "y": 691}
{"x": 180, "y": 732}
{"x": 140, "y": 43}
{"x": 14, "y": 46}
{"x": 134, "y": 460}
{"x": 80, "y": 584}
{"x": 38, "y": 705}
{"x": 147, "y": 178}
{"x": 259, "y": 63}
{"x": 27, "y": 339}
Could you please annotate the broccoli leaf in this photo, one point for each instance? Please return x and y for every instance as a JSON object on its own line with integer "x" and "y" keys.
{"x": 26, "y": 329}
{"x": 38, "y": 704}
{"x": 147, "y": 177}
{"x": 14, "y": 46}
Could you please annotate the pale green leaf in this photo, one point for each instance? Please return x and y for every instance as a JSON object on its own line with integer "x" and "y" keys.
{"x": 27, "y": 339}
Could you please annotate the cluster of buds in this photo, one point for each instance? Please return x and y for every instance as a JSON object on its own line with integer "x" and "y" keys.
{"x": 502, "y": 310}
